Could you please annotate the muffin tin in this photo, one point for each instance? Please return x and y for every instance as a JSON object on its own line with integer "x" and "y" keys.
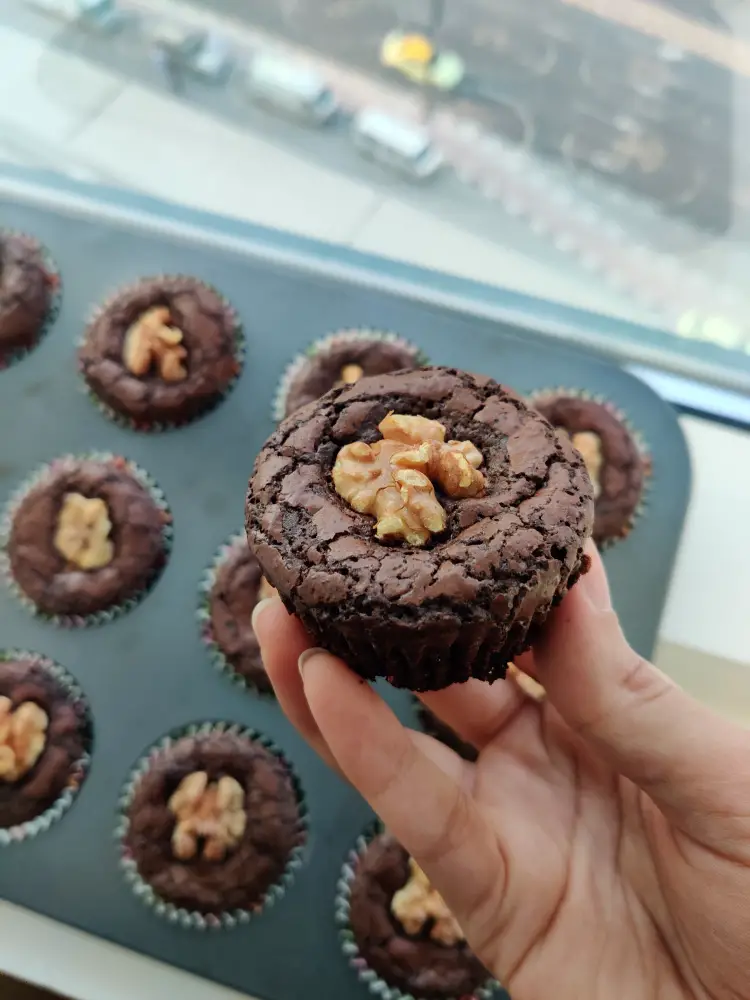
{"x": 149, "y": 672}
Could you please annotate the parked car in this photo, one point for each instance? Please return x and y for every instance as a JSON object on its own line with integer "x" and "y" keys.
{"x": 97, "y": 15}
{"x": 402, "y": 147}
{"x": 283, "y": 85}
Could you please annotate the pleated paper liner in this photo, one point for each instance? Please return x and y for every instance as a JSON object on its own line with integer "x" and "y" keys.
{"x": 323, "y": 344}
{"x": 38, "y": 478}
{"x": 54, "y": 283}
{"x": 543, "y": 395}
{"x": 217, "y": 656}
{"x": 155, "y": 426}
{"x": 375, "y": 983}
{"x": 78, "y": 771}
{"x": 195, "y": 919}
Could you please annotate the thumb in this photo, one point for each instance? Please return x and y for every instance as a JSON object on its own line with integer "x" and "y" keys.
{"x": 690, "y": 761}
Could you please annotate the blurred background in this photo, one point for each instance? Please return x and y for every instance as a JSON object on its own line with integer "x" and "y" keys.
{"x": 587, "y": 151}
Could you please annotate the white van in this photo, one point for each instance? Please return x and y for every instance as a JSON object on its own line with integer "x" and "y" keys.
{"x": 290, "y": 88}
{"x": 403, "y": 147}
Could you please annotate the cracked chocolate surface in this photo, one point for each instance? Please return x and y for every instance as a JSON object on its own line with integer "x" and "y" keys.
{"x": 273, "y": 829}
{"x": 55, "y": 586}
{"x": 415, "y": 964}
{"x": 233, "y": 597}
{"x": 322, "y": 370}
{"x": 622, "y": 473}
{"x": 68, "y": 737}
{"x": 208, "y": 332}
{"x": 465, "y": 604}
{"x": 25, "y": 293}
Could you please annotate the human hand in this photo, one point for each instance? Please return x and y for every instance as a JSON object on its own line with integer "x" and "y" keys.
{"x": 599, "y": 846}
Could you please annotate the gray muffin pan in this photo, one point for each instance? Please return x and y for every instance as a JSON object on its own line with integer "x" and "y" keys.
{"x": 148, "y": 672}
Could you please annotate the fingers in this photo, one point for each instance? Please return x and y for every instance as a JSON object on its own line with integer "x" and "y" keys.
{"x": 422, "y": 797}
{"x": 689, "y": 760}
{"x": 478, "y": 712}
{"x": 282, "y": 641}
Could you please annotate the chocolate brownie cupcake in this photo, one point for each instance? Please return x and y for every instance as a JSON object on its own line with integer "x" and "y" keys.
{"x": 397, "y": 927}
{"x": 45, "y": 741}
{"x": 421, "y": 524}
{"x": 161, "y": 352}
{"x": 85, "y": 539}
{"x": 232, "y": 588}
{"x": 342, "y": 359}
{"x": 212, "y": 826}
{"x": 28, "y": 285}
{"x": 614, "y": 460}
{"x": 436, "y": 728}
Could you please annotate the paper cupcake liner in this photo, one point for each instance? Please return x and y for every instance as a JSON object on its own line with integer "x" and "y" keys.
{"x": 53, "y": 311}
{"x": 194, "y": 919}
{"x": 158, "y": 427}
{"x": 540, "y": 395}
{"x": 37, "y": 478}
{"x": 491, "y": 990}
{"x": 26, "y": 831}
{"x": 322, "y": 344}
{"x": 203, "y": 614}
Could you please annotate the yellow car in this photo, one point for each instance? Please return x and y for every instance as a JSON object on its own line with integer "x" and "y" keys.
{"x": 414, "y": 56}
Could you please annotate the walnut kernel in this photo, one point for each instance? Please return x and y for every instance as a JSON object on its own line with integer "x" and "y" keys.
{"x": 209, "y": 811}
{"x": 417, "y": 902}
{"x": 530, "y": 687}
{"x": 266, "y": 590}
{"x": 589, "y": 445}
{"x": 351, "y": 374}
{"x": 393, "y": 479}
{"x": 152, "y": 341}
{"x": 23, "y": 734}
{"x": 82, "y": 534}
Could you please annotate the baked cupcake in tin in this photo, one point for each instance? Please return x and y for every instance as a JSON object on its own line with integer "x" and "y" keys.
{"x": 45, "y": 743}
{"x": 213, "y": 825}
{"x": 421, "y": 524}
{"x": 230, "y": 590}
{"x": 29, "y": 288}
{"x": 161, "y": 352}
{"x": 85, "y": 538}
{"x": 342, "y": 358}
{"x": 615, "y": 459}
{"x": 397, "y": 931}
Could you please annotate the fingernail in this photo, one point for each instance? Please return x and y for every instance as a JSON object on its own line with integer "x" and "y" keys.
{"x": 306, "y": 656}
{"x": 594, "y": 583}
{"x": 258, "y": 610}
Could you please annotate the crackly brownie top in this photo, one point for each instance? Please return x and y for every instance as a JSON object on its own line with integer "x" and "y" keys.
{"x": 159, "y": 344}
{"x": 527, "y": 524}
{"x": 408, "y": 952}
{"x": 25, "y": 292}
{"x": 183, "y": 830}
{"x": 615, "y": 464}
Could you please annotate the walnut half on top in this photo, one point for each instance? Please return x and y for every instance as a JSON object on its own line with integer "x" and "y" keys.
{"x": 23, "y": 735}
{"x": 417, "y": 903}
{"x": 82, "y": 532}
{"x": 151, "y": 341}
{"x": 210, "y": 816}
{"x": 393, "y": 479}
